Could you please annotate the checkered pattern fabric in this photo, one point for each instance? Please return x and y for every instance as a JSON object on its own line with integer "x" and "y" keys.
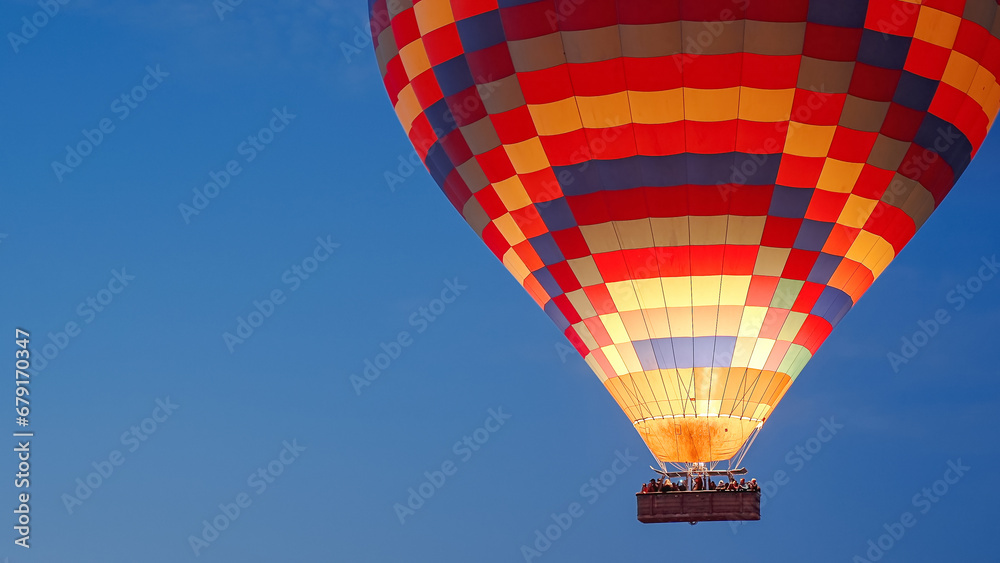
{"x": 695, "y": 191}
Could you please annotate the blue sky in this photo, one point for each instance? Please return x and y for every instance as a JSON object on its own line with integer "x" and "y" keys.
{"x": 283, "y": 400}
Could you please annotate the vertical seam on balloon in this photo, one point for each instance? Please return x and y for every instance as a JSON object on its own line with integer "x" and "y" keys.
{"x": 725, "y": 244}
{"x": 649, "y": 221}
{"x": 638, "y": 392}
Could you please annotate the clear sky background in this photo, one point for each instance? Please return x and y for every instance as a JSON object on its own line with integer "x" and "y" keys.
{"x": 161, "y": 336}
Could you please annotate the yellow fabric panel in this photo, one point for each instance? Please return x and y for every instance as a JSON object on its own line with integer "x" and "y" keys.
{"x": 770, "y": 261}
{"x": 745, "y": 229}
{"x": 677, "y": 292}
{"x": 615, "y": 327}
{"x": 734, "y": 290}
{"x": 710, "y": 229}
{"x": 628, "y": 356}
{"x": 869, "y": 249}
{"x": 665, "y": 106}
{"x": 856, "y": 211}
{"x": 585, "y": 270}
{"x": 980, "y": 90}
{"x": 861, "y": 247}
{"x": 960, "y": 72}
{"x": 656, "y": 322}
{"x": 729, "y": 318}
{"x": 744, "y": 348}
{"x": 717, "y": 104}
{"x": 616, "y": 387}
{"x": 707, "y": 407}
{"x": 680, "y": 321}
{"x": 809, "y": 140}
{"x": 704, "y": 318}
{"x": 839, "y": 176}
{"x": 598, "y": 112}
{"x": 753, "y": 319}
{"x": 601, "y": 237}
{"x": 527, "y": 156}
{"x": 512, "y": 193}
{"x": 761, "y": 351}
{"x": 407, "y": 107}
{"x": 623, "y": 295}
{"x": 515, "y": 265}
{"x": 556, "y": 118}
{"x": 884, "y": 253}
{"x": 509, "y": 229}
{"x": 937, "y": 27}
{"x": 662, "y": 385}
{"x": 757, "y": 104}
{"x": 615, "y": 359}
{"x": 670, "y": 231}
{"x": 705, "y": 290}
{"x": 650, "y": 293}
{"x": 635, "y": 324}
{"x": 432, "y": 14}
{"x": 414, "y": 59}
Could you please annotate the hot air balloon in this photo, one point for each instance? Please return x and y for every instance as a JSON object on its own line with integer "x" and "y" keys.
{"x": 695, "y": 191}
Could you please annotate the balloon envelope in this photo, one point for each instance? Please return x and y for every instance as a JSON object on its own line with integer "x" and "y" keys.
{"x": 695, "y": 191}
